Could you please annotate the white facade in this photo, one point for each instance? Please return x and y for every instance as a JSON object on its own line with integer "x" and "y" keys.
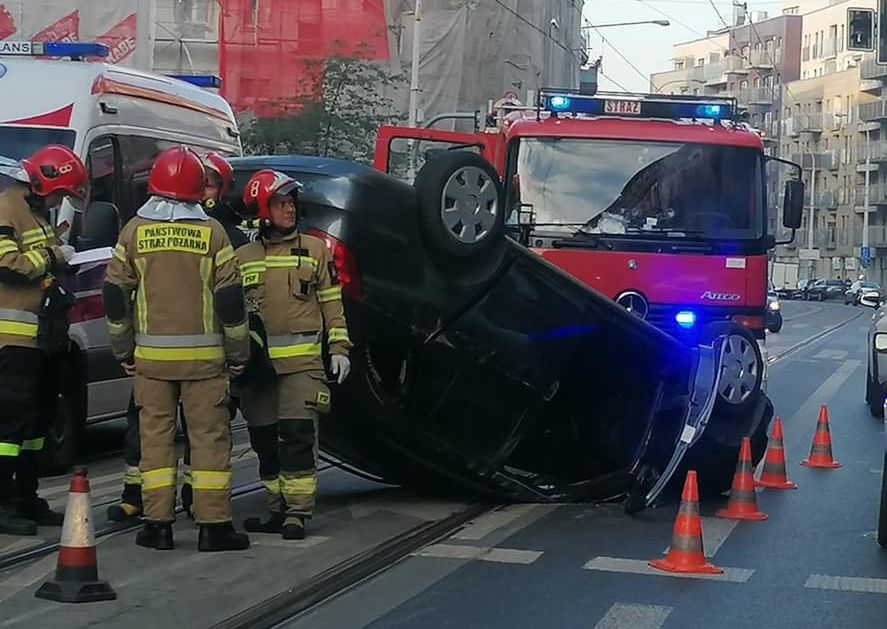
{"x": 824, "y": 42}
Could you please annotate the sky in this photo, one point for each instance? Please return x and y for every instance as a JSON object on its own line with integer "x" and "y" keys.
{"x": 648, "y": 46}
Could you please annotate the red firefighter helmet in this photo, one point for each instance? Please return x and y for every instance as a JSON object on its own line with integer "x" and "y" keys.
{"x": 56, "y": 168}
{"x": 213, "y": 162}
{"x": 262, "y": 186}
{"x": 178, "y": 174}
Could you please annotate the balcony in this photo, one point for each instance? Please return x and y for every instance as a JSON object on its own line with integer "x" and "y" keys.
{"x": 802, "y": 123}
{"x": 715, "y": 75}
{"x": 878, "y": 152}
{"x": 735, "y": 65}
{"x": 760, "y": 60}
{"x": 827, "y": 200}
{"x": 877, "y": 197}
{"x": 823, "y": 160}
{"x": 872, "y": 70}
{"x": 756, "y": 96}
{"x": 878, "y": 236}
{"x": 873, "y": 112}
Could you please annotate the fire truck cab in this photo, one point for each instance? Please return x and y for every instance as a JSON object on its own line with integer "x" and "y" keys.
{"x": 658, "y": 202}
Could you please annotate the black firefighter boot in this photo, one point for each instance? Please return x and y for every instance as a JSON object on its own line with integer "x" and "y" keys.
{"x": 294, "y": 528}
{"x": 220, "y": 537}
{"x": 156, "y": 535}
{"x": 130, "y": 506}
{"x": 25, "y": 500}
{"x": 10, "y": 522}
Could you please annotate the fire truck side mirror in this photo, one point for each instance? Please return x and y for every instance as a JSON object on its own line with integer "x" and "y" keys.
{"x": 793, "y": 206}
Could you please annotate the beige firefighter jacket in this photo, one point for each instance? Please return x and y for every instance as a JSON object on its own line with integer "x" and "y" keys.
{"x": 291, "y": 282}
{"x": 172, "y": 274}
{"x": 28, "y": 252}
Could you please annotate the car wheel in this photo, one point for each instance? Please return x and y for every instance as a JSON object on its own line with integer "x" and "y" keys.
{"x": 777, "y": 326}
{"x": 743, "y": 370}
{"x": 874, "y": 396}
{"x": 882, "y": 512}
{"x": 64, "y": 434}
{"x": 461, "y": 204}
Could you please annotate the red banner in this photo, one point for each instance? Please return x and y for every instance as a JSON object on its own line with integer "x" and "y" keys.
{"x": 7, "y": 23}
{"x": 121, "y": 40}
{"x": 66, "y": 29}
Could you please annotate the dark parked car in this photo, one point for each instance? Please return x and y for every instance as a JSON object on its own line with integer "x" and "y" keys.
{"x": 479, "y": 365}
{"x": 852, "y": 295}
{"x": 773, "y": 316}
{"x": 821, "y": 290}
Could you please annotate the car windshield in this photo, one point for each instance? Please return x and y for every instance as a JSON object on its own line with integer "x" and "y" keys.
{"x": 641, "y": 188}
{"x": 19, "y": 142}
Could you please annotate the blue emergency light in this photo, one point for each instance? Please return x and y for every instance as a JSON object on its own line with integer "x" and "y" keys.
{"x": 686, "y": 319}
{"x": 200, "y": 80}
{"x": 75, "y": 50}
{"x": 639, "y": 107}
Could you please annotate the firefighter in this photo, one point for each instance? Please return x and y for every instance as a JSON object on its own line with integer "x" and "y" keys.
{"x": 290, "y": 280}
{"x": 176, "y": 315}
{"x": 29, "y": 254}
{"x": 219, "y": 180}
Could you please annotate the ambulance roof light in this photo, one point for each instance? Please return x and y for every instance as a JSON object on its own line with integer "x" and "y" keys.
{"x": 200, "y": 80}
{"x": 74, "y": 50}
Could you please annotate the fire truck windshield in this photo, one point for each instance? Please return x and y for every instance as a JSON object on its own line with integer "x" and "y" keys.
{"x": 641, "y": 189}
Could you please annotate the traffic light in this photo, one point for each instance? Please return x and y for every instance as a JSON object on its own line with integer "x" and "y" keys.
{"x": 861, "y": 26}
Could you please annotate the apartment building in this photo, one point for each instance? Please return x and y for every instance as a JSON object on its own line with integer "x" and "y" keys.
{"x": 748, "y": 61}
{"x": 827, "y": 115}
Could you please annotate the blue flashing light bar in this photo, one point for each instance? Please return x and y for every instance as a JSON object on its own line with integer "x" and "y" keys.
{"x": 76, "y": 50}
{"x": 686, "y": 319}
{"x": 200, "y": 80}
{"x": 641, "y": 107}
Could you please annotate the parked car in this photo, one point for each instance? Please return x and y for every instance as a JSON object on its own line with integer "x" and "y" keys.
{"x": 796, "y": 292}
{"x": 822, "y": 290}
{"x": 490, "y": 369}
{"x": 851, "y": 296}
{"x": 773, "y": 316}
{"x": 876, "y": 387}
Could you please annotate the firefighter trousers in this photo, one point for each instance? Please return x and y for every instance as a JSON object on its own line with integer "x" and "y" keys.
{"x": 282, "y": 418}
{"x": 21, "y": 369}
{"x": 205, "y": 403}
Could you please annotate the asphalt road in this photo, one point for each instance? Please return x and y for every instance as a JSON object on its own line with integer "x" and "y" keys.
{"x": 813, "y": 563}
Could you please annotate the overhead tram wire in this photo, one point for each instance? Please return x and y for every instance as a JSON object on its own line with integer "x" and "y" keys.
{"x": 618, "y": 52}
{"x": 672, "y": 18}
{"x": 613, "y": 81}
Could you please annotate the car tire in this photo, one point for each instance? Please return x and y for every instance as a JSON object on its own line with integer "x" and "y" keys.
{"x": 440, "y": 183}
{"x": 776, "y": 327}
{"x": 737, "y": 395}
{"x": 882, "y": 511}
{"x": 874, "y": 396}
{"x": 65, "y": 434}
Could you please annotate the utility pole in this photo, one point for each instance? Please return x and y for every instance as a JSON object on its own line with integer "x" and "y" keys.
{"x": 414, "y": 70}
{"x": 864, "y": 255}
{"x": 812, "y": 210}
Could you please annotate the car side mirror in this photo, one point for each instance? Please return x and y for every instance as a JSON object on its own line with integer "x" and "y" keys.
{"x": 793, "y": 205}
{"x": 101, "y": 226}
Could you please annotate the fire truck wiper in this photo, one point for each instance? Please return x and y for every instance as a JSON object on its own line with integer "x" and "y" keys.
{"x": 585, "y": 239}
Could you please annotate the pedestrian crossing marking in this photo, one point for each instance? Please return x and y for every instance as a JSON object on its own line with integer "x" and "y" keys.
{"x": 846, "y": 584}
{"x": 480, "y": 553}
{"x": 639, "y": 566}
{"x": 626, "y": 616}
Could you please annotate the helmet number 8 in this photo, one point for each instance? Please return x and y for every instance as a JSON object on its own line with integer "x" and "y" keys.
{"x": 254, "y": 189}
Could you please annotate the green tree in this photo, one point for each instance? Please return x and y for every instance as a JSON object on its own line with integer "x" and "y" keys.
{"x": 347, "y": 97}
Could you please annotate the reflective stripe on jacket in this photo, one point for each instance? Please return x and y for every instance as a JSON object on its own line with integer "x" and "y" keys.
{"x": 171, "y": 273}
{"x": 291, "y": 282}
{"x": 25, "y": 259}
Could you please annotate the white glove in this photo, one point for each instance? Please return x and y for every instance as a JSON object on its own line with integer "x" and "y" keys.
{"x": 67, "y": 252}
{"x": 341, "y": 367}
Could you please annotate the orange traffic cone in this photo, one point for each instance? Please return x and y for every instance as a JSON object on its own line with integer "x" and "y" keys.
{"x": 743, "y": 505}
{"x": 774, "y": 476}
{"x": 685, "y": 554}
{"x": 76, "y": 573}
{"x": 821, "y": 450}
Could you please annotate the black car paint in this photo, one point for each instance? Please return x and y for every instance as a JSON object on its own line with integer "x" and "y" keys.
{"x": 505, "y": 376}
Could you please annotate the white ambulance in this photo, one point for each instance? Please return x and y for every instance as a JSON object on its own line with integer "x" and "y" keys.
{"x": 117, "y": 120}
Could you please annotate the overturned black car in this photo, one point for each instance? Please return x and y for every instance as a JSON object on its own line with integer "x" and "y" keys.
{"x": 490, "y": 370}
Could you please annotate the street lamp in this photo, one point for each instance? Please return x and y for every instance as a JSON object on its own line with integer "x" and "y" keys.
{"x": 659, "y": 89}
{"x": 656, "y": 22}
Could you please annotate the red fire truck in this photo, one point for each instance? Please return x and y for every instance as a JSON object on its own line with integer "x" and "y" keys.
{"x": 658, "y": 202}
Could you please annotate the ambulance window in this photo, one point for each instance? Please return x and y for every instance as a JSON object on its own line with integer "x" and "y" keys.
{"x": 101, "y": 161}
{"x": 137, "y": 155}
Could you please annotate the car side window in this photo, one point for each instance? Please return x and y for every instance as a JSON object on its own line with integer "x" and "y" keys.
{"x": 104, "y": 168}
{"x": 137, "y": 154}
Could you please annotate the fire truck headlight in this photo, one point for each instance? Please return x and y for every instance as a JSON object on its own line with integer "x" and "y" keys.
{"x": 686, "y": 319}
